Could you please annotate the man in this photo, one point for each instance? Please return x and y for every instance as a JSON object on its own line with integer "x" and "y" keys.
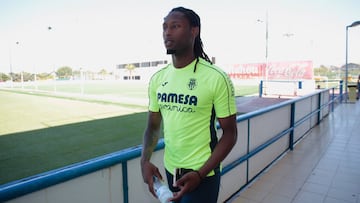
{"x": 187, "y": 96}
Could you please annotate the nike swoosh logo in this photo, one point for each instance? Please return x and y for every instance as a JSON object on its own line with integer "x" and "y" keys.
{"x": 165, "y": 83}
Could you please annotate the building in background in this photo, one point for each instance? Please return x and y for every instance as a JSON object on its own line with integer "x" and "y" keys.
{"x": 138, "y": 70}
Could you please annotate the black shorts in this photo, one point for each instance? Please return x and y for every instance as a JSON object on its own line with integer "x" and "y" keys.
{"x": 207, "y": 191}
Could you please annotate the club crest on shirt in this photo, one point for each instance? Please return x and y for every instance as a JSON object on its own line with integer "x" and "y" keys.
{"x": 192, "y": 84}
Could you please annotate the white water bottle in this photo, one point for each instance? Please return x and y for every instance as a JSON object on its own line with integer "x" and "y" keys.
{"x": 162, "y": 190}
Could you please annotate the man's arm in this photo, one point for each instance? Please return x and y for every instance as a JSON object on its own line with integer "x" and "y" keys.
{"x": 223, "y": 148}
{"x": 150, "y": 140}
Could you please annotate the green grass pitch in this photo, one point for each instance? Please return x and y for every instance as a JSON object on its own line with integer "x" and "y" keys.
{"x": 41, "y": 131}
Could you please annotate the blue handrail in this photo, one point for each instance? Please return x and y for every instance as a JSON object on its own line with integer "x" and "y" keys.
{"x": 34, "y": 183}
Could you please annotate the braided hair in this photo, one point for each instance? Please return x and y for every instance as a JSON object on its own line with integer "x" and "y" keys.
{"x": 194, "y": 21}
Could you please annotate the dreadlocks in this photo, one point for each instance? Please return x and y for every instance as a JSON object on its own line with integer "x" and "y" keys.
{"x": 194, "y": 21}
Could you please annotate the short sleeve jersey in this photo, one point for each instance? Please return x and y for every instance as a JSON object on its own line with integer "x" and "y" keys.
{"x": 189, "y": 102}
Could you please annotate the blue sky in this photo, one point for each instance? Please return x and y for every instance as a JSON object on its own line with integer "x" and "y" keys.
{"x": 94, "y": 34}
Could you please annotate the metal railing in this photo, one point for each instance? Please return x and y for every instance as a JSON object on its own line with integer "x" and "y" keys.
{"x": 242, "y": 166}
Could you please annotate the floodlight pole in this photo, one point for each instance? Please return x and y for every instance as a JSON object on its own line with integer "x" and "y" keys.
{"x": 356, "y": 23}
{"x": 266, "y": 48}
{"x": 49, "y": 28}
{"x": 11, "y": 63}
{"x": 10, "y": 73}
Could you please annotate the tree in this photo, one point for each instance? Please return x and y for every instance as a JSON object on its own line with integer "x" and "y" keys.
{"x": 353, "y": 69}
{"x": 64, "y": 72}
{"x": 321, "y": 71}
{"x": 103, "y": 73}
{"x": 130, "y": 68}
{"x": 28, "y": 76}
{"x": 43, "y": 76}
{"x": 4, "y": 77}
{"x": 334, "y": 72}
{"x": 16, "y": 77}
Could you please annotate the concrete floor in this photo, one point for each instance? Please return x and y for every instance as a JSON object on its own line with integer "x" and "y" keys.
{"x": 323, "y": 167}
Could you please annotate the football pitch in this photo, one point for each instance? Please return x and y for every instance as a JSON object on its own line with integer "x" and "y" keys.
{"x": 49, "y": 126}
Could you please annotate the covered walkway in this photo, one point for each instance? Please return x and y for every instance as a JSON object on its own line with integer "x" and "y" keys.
{"x": 323, "y": 167}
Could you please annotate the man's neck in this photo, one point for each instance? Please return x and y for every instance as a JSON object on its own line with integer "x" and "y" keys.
{"x": 180, "y": 61}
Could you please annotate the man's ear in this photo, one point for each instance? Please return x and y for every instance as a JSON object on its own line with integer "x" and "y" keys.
{"x": 195, "y": 31}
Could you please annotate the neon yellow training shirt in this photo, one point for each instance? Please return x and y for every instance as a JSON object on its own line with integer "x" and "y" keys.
{"x": 188, "y": 102}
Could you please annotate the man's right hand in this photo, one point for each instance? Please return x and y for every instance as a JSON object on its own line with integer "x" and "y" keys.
{"x": 149, "y": 170}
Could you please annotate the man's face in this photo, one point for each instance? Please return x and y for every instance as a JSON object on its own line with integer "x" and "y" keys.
{"x": 178, "y": 35}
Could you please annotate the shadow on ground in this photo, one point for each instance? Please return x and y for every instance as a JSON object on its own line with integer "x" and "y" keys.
{"x": 32, "y": 152}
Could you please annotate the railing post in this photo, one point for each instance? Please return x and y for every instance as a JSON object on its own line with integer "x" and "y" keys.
{"x": 261, "y": 89}
{"x": 292, "y": 124}
{"x": 341, "y": 91}
{"x": 248, "y": 151}
{"x": 332, "y": 99}
{"x": 319, "y": 109}
{"x": 125, "y": 182}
